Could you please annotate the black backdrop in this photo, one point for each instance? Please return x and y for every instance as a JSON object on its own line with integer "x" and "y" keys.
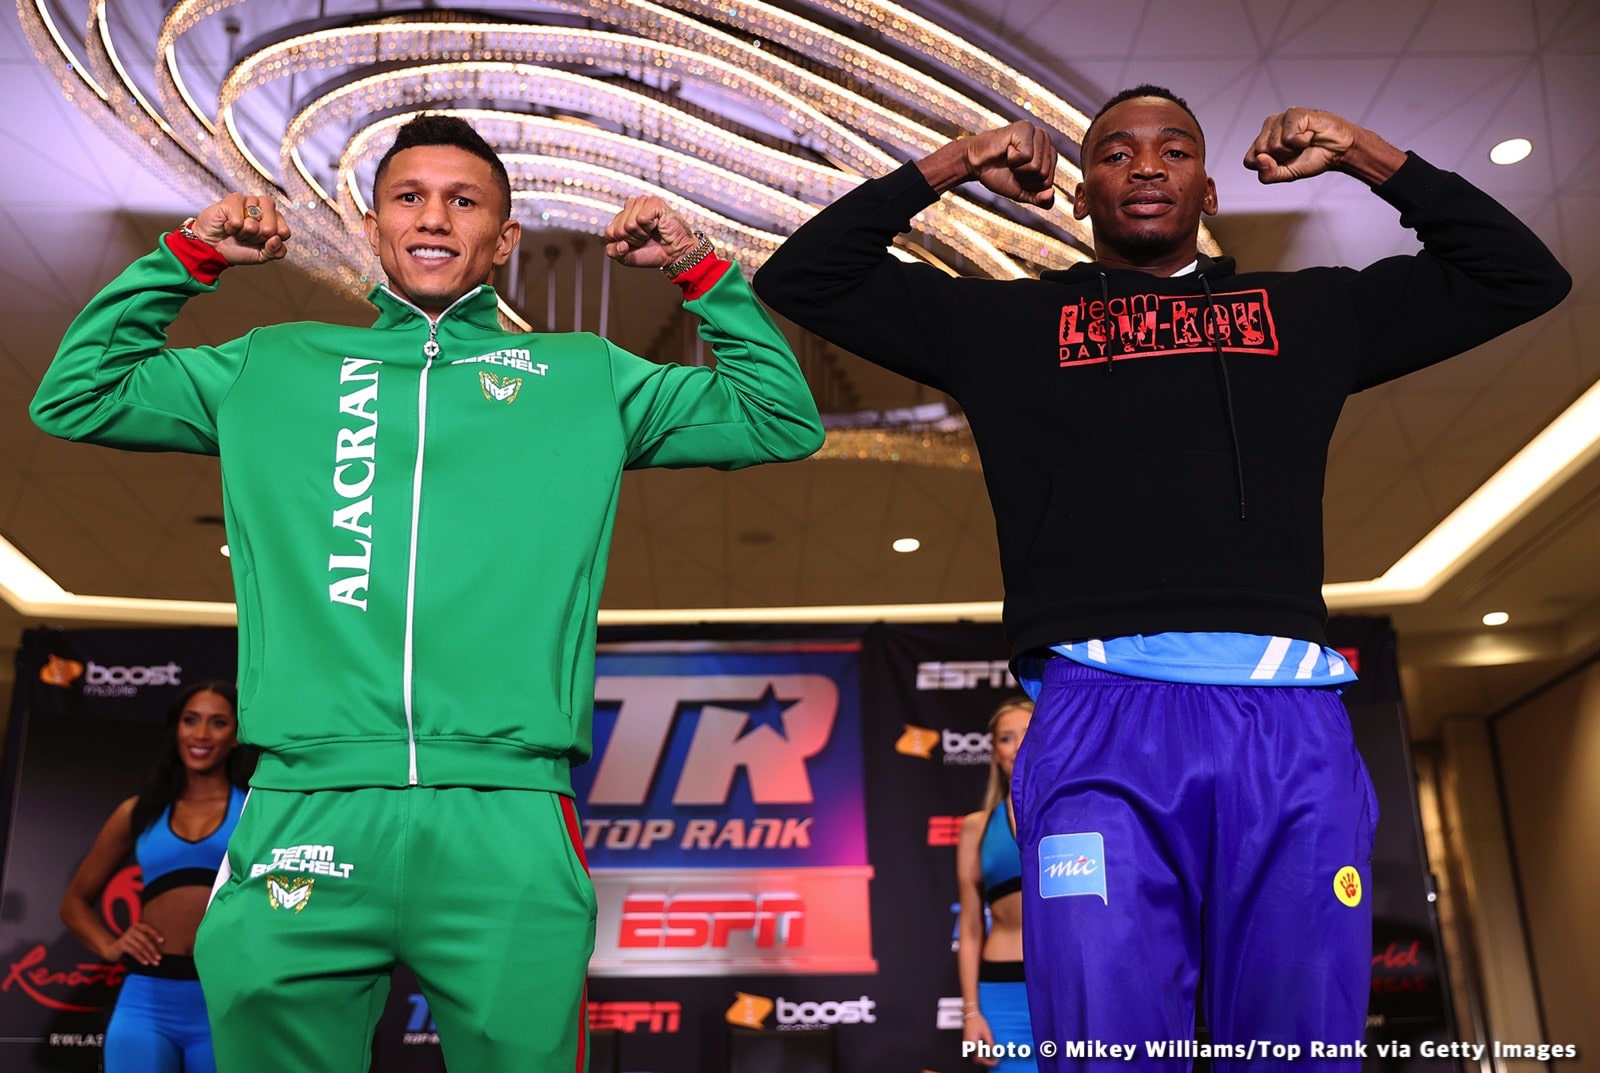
{"x": 910, "y": 715}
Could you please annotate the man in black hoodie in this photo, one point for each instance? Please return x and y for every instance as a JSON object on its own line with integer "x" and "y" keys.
{"x": 1154, "y": 431}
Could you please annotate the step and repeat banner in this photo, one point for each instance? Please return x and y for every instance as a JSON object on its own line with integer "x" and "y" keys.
{"x": 770, "y": 819}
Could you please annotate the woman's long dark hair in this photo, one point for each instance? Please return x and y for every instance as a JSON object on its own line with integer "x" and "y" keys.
{"x": 167, "y": 779}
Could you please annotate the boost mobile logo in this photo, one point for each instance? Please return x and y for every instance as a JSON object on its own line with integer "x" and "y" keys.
{"x": 959, "y": 748}
{"x": 750, "y": 1011}
{"x": 113, "y": 681}
{"x": 60, "y": 671}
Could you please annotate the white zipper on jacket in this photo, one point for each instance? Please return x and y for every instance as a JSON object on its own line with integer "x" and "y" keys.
{"x": 430, "y": 350}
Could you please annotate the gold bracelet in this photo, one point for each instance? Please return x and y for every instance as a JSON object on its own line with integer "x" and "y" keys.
{"x": 701, "y": 251}
{"x": 186, "y": 229}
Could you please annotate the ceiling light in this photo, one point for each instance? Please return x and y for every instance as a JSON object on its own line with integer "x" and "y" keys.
{"x": 226, "y": 554}
{"x": 1511, "y": 150}
{"x": 906, "y": 544}
{"x": 1496, "y": 618}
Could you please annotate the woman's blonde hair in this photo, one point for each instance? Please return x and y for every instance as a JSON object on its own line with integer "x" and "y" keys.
{"x": 999, "y": 787}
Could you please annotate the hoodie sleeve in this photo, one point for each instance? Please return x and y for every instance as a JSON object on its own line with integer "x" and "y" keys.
{"x": 1481, "y": 273}
{"x": 754, "y": 406}
{"x": 835, "y": 277}
{"x": 114, "y": 381}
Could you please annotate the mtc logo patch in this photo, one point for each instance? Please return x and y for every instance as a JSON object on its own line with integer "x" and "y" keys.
{"x": 1072, "y": 864}
{"x": 286, "y": 893}
{"x": 499, "y": 388}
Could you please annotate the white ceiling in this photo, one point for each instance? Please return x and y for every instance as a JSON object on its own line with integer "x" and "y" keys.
{"x": 1448, "y": 79}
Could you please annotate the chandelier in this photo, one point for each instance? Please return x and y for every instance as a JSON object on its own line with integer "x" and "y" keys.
{"x": 749, "y": 115}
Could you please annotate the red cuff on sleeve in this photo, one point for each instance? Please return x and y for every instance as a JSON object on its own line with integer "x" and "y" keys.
{"x": 200, "y": 258}
{"x": 702, "y": 277}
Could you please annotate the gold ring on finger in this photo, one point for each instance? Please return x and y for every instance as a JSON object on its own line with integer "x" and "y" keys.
{"x": 253, "y": 211}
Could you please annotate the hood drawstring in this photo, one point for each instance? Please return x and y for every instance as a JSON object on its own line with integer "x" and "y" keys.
{"x": 1105, "y": 319}
{"x": 1227, "y": 389}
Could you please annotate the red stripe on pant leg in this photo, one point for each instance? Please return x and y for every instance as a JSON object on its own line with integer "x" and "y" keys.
{"x": 570, "y": 811}
{"x": 583, "y": 1026}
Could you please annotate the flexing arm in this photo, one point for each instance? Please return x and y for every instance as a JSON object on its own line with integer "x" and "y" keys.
{"x": 113, "y": 380}
{"x": 1481, "y": 271}
{"x": 111, "y": 847}
{"x": 753, "y": 407}
{"x": 969, "y": 933}
{"x": 836, "y": 277}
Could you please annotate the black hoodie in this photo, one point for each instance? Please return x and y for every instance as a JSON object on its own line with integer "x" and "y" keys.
{"x": 1155, "y": 447}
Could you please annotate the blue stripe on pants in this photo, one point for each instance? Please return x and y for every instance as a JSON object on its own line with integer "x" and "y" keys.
{"x": 1226, "y": 813}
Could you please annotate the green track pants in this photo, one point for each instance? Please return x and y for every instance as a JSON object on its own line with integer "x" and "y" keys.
{"x": 483, "y": 894}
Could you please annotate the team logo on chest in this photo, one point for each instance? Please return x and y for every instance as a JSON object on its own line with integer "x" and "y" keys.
{"x": 499, "y": 388}
{"x": 286, "y": 893}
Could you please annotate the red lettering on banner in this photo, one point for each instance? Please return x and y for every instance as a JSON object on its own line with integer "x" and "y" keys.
{"x": 1395, "y": 958}
{"x": 29, "y": 974}
{"x": 629, "y": 1016}
{"x": 692, "y": 921}
{"x": 1397, "y": 985}
{"x": 944, "y": 830}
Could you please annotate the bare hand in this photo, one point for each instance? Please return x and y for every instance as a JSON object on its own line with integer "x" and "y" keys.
{"x": 1300, "y": 143}
{"x": 647, "y": 234}
{"x": 140, "y": 942}
{"x": 243, "y": 236}
{"x": 1017, "y": 162}
{"x": 976, "y": 1030}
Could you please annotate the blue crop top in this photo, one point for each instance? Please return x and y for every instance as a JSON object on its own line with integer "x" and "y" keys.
{"x": 1000, "y": 861}
{"x": 168, "y": 861}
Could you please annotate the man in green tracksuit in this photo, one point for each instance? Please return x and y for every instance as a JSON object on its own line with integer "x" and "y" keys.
{"x": 419, "y": 514}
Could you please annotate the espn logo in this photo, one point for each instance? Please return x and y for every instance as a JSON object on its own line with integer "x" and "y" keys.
{"x": 653, "y": 1017}
{"x": 966, "y": 674}
{"x": 691, "y": 921}
{"x": 944, "y": 830}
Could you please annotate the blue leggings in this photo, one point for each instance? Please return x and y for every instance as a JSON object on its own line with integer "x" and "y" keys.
{"x": 159, "y": 1026}
{"x": 1005, "y": 1007}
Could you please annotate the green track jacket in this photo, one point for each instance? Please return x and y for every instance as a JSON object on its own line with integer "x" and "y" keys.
{"x": 419, "y": 514}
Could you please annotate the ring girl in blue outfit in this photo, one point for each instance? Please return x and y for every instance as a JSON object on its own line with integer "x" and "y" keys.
{"x": 177, "y": 827}
{"x": 989, "y": 875}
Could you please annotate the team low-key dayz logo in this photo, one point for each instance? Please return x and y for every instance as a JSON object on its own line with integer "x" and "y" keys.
{"x": 102, "y": 680}
{"x": 752, "y": 1011}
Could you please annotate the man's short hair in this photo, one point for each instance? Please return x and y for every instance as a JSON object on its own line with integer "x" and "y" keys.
{"x": 428, "y": 129}
{"x": 1145, "y": 90}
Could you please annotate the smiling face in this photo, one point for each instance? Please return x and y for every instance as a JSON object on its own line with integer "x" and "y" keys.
{"x": 438, "y": 225}
{"x": 207, "y": 732}
{"x": 1145, "y": 186}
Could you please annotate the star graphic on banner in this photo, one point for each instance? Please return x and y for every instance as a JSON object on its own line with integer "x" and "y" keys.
{"x": 765, "y": 712}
